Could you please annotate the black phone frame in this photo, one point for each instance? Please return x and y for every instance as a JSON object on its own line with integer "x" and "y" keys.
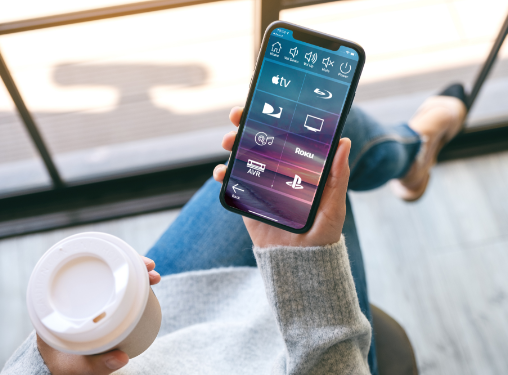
{"x": 333, "y": 146}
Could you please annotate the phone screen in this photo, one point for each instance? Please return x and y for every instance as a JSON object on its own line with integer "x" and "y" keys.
{"x": 291, "y": 122}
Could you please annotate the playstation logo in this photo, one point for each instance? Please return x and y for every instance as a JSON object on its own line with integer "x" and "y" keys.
{"x": 327, "y": 62}
{"x": 295, "y": 184}
{"x": 293, "y": 52}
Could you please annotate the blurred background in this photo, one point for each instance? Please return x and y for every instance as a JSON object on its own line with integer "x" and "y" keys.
{"x": 132, "y": 104}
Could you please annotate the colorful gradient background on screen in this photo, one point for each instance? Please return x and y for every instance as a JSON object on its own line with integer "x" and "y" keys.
{"x": 292, "y": 119}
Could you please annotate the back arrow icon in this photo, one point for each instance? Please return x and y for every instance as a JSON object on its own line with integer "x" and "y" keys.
{"x": 235, "y": 188}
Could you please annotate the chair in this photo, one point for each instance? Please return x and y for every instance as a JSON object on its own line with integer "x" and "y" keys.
{"x": 395, "y": 355}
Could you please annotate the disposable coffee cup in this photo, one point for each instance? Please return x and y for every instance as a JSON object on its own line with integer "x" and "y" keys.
{"x": 90, "y": 294}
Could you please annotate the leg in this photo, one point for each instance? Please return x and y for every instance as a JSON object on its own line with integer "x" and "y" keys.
{"x": 192, "y": 241}
{"x": 378, "y": 153}
{"x": 203, "y": 236}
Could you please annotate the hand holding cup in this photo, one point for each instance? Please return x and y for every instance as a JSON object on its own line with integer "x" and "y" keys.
{"x": 67, "y": 285}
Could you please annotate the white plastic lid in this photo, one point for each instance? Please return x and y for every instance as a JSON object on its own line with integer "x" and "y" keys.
{"x": 87, "y": 293}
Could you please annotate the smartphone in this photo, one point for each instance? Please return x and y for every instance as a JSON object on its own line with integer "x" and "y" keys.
{"x": 300, "y": 95}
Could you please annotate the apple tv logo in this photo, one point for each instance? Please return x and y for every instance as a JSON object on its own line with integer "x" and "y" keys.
{"x": 280, "y": 81}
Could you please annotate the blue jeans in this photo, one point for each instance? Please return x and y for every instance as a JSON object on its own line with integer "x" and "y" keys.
{"x": 206, "y": 236}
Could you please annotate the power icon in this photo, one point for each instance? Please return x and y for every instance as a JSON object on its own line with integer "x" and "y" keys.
{"x": 345, "y": 68}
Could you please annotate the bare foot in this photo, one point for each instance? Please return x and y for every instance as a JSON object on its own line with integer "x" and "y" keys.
{"x": 438, "y": 120}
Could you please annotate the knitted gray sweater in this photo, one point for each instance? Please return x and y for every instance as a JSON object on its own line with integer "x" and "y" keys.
{"x": 297, "y": 313}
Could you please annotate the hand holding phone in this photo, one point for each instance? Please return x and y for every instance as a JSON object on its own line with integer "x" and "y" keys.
{"x": 331, "y": 213}
{"x": 300, "y": 95}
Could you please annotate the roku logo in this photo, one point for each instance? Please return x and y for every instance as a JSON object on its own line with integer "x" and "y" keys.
{"x": 304, "y": 153}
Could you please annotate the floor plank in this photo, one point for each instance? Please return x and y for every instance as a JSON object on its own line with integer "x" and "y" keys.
{"x": 439, "y": 265}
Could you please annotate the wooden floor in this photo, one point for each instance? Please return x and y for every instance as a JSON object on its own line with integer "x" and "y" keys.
{"x": 438, "y": 266}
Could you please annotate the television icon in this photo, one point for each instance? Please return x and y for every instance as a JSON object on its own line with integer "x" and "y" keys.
{"x": 314, "y": 124}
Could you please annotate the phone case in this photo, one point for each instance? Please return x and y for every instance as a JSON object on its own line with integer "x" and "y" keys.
{"x": 334, "y": 143}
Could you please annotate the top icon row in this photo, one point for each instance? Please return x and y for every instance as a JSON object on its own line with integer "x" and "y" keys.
{"x": 276, "y": 47}
{"x": 312, "y": 57}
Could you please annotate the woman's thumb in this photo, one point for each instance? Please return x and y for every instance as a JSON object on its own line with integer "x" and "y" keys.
{"x": 334, "y": 195}
{"x": 108, "y": 362}
{"x": 339, "y": 173}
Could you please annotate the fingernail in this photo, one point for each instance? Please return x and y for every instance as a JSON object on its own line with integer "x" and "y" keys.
{"x": 154, "y": 273}
{"x": 114, "y": 364}
{"x": 219, "y": 167}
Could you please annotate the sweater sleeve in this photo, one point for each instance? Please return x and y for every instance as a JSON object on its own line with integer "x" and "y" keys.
{"x": 26, "y": 360}
{"x": 312, "y": 294}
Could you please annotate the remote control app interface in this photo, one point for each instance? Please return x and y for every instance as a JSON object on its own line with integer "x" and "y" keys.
{"x": 298, "y": 100}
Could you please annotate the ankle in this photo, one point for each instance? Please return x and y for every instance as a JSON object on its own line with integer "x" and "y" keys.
{"x": 437, "y": 115}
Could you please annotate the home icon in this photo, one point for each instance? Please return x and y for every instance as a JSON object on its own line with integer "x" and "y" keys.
{"x": 276, "y": 47}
